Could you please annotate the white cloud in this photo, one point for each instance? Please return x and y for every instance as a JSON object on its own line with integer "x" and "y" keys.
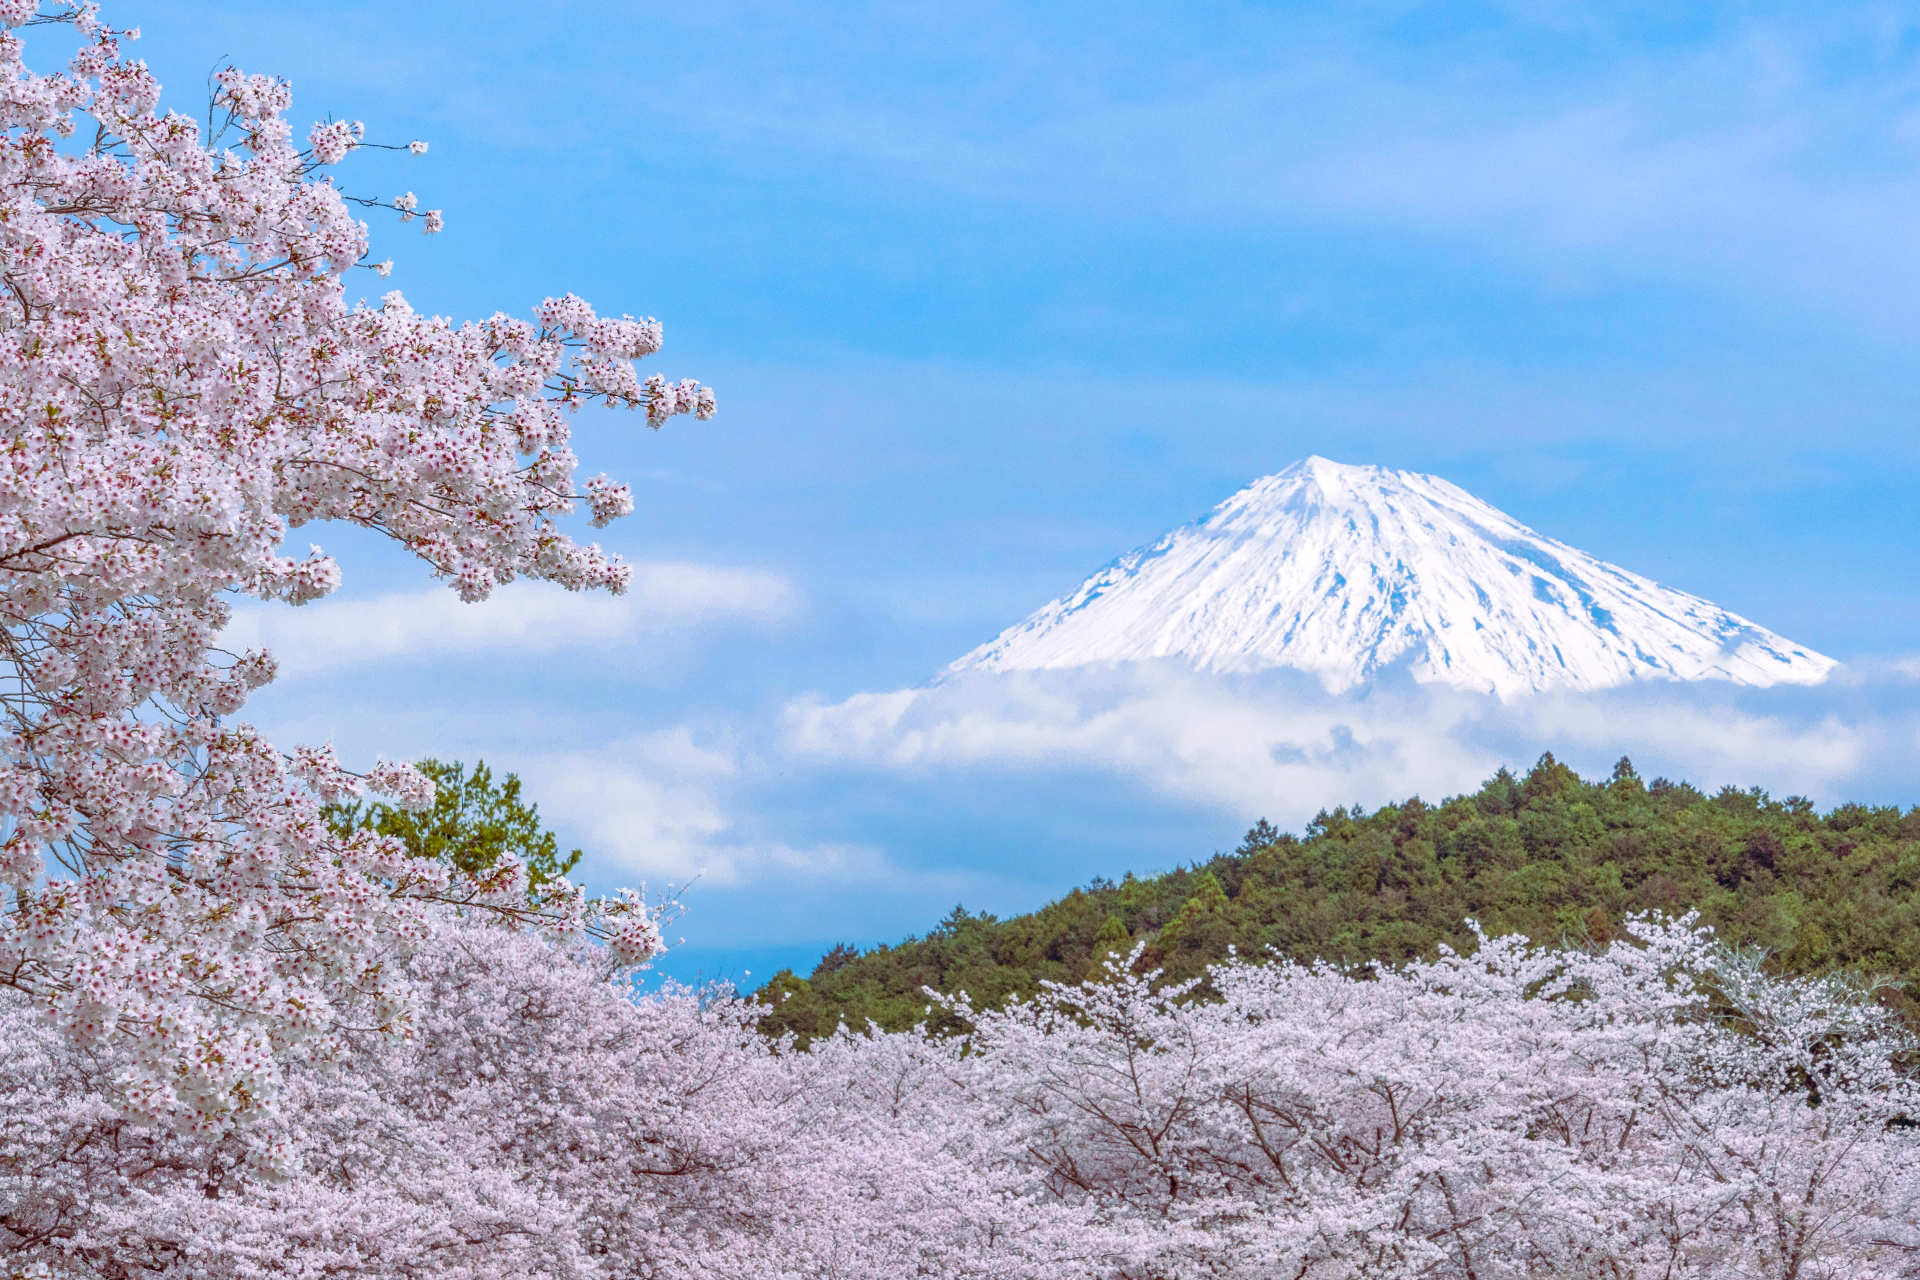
{"x": 525, "y": 617}
{"x": 1278, "y": 744}
{"x": 1904, "y": 666}
{"x": 1231, "y": 742}
{"x": 661, "y": 806}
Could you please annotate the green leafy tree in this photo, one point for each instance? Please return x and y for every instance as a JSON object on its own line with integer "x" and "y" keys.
{"x": 473, "y": 822}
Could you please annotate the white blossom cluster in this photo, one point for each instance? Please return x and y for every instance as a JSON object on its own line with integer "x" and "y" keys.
{"x": 1663, "y": 1109}
{"x": 183, "y": 381}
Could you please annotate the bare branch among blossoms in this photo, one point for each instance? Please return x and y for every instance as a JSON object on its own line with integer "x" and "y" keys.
{"x": 185, "y": 381}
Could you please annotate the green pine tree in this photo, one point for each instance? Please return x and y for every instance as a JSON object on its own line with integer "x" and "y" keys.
{"x": 1199, "y": 933}
{"x": 1112, "y": 942}
{"x": 472, "y": 823}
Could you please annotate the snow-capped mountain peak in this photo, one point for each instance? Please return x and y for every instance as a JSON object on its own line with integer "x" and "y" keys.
{"x": 1346, "y": 570}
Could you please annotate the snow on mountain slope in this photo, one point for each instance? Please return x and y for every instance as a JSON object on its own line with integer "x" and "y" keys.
{"x": 1345, "y": 570}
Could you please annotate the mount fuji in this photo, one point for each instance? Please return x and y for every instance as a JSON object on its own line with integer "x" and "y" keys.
{"x": 1345, "y": 571}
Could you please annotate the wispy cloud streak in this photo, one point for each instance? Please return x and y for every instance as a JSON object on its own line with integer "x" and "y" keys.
{"x": 524, "y": 617}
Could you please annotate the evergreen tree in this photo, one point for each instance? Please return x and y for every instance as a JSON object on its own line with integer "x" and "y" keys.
{"x": 1259, "y": 836}
{"x": 473, "y": 822}
{"x": 1113, "y": 943}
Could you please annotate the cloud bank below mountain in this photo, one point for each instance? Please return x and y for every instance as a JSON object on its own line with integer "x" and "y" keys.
{"x": 1278, "y": 744}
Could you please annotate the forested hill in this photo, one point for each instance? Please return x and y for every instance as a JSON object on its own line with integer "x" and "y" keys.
{"x": 1550, "y": 855}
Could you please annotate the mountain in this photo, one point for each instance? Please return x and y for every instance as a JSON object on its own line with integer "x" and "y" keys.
{"x": 1344, "y": 571}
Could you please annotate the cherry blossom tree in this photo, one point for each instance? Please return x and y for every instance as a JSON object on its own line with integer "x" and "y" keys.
{"x": 1662, "y": 1109}
{"x": 540, "y": 1121}
{"x": 184, "y": 382}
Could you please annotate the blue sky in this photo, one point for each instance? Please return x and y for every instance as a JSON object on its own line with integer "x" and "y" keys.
{"x": 991, "y": 294}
